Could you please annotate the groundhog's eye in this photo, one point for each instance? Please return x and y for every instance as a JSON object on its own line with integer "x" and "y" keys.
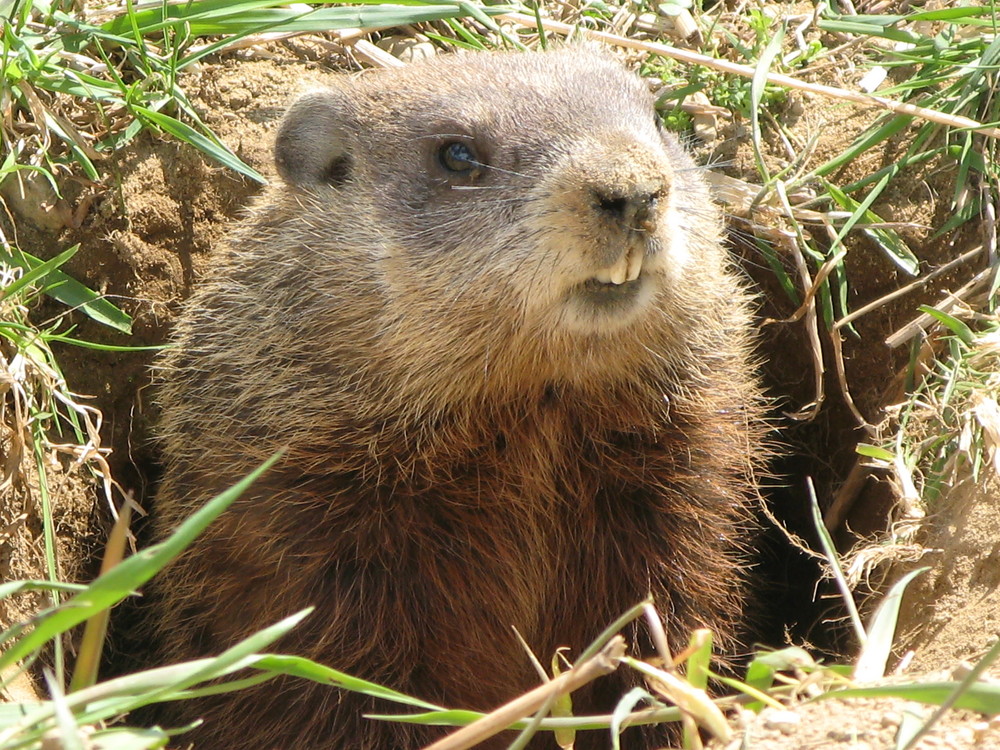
{"x": 459, "y": 157}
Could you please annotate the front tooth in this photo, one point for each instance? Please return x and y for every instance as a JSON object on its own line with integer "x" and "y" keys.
{"x": 619, "y": 271}
{"x": 604, "y": 276}
{"x": 634, "y": 264}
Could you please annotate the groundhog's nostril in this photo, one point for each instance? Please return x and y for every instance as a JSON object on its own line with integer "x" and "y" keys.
{"x": 635, "y": 211}
{"x": 644, "y": 213}
{"x": 616, "y": 206}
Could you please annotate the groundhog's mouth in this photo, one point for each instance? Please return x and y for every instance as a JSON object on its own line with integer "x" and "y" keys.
{"x": 602, "y": 294}
{"x": 612, "y": 296}
{"x": 627, "y": 269}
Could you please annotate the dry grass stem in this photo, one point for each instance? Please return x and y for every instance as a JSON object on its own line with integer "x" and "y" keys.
{"x": 845, "y": 391}
{"x": 658, "y": 634}
{"x": 748, "y": 71}
{"x": 793, "y": 244}
{"x": 817, "y": 283}
{"x": 605, "y": 662}
{"x": 912, "y": 286}
{"x": 254, "y": 40}
{"x": 924, "y": 322}
{"x": 847, "y": 495}
{"x": 373, "y": 55}
{"x": 96, "y": 628}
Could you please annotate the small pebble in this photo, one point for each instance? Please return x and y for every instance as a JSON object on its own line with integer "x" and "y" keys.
{"x": 785, "y": 722}
{"x": 961, "y": 670}
{"x": 408, "y": 48}
{"x": 846, "y": 734}
{"x": 745, "y": 718}
{"x": 795, "y": 107}
{"x": 891, "y": 719}
{"x": 964, "y": 736}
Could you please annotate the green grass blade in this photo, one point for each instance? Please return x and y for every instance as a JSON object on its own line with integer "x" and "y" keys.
{"x": 116, "y": 584}
{"x": 612, "y": 630}
{"x": 961, "y": 690}
{"x": 951, "y": 14}
{"x": 70, "y": 341}
{"x": 697, "y": 669}
{"x": 757, "y": 85}
{"x": 889, "y": 127}
{"x": 982, "y": 697}
{"x": 873, "y": 451}
{"x": 310, "y": 670}
{"x": 212, "y": 148}
{"x": 79, "y": 155}
{"x": 127, "y": 738}
{"x": 147, "y": 681}
{"x": 17, "y": 587}
{"x": 217, "y": 17}
{"x": 830, "y": 551}
{"x": 863, "y": 28}
{"x": 876, "y": 651}
{"x": 66, "y": 289}
{"x": 34, "y": 273}
{"x": 155, "y": 18}
{"x": 625, "y": 705}
{"x": 452, "y": 718}
{"x": 80, "y": 85}
{"x": 232, "y": 659}
{"x": 760, "y": 673}
{"x": 888, "y": 240}
{"x": 912, "y": 158}
{"x": 124, "y": 694}
{"x": 952, "y": 323}
{"x": 778, "y": 269}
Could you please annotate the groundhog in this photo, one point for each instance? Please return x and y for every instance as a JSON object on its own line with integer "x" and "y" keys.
{"x": 488, "y": 314}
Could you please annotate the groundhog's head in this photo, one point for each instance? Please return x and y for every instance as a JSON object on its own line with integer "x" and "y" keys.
{"x": 533, "y": 193}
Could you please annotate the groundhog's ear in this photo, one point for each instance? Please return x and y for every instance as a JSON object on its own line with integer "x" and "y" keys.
{"x": 312, "y": 143}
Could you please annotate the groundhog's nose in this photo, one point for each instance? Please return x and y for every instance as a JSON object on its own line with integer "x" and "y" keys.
{"x": 635, "y": 210}
{"x": 630, "y": 215}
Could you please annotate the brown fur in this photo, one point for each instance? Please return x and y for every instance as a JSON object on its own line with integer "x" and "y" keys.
{"x": 474, "y": 443}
